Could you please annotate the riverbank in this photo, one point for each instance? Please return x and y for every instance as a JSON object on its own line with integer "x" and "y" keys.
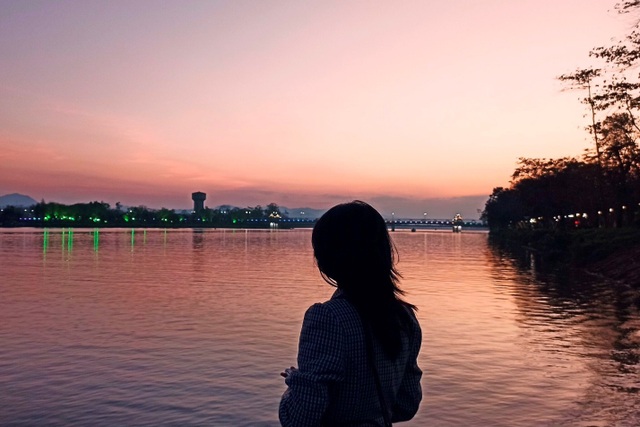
{"x": 622, "y": 265}
{"x": 610, "y": 253}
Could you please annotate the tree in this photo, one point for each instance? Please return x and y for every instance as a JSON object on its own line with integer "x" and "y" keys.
{"x": 167, "y": 216}
{"x": 272, "y": 209}
{"x": 532, "y": 168}
{"x": 10, "y": 216}
{"x": 613, "y": 97}
{"x": 583, "y": 79}
{"x": 546, "y": 193}
{"x": 625, "y": 6}
{"x": 504, "y": 208}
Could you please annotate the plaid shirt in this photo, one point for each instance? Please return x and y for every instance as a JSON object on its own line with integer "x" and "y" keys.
{"x": 334, "y": 384}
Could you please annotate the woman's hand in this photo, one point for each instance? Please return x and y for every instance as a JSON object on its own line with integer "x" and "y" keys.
{"x": 287, "y": 372}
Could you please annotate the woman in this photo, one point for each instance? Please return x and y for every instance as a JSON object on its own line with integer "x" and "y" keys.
{"x": 357, "y": 356}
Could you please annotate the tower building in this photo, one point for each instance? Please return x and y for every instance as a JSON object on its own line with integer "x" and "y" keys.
{"x": 198, "y": 200}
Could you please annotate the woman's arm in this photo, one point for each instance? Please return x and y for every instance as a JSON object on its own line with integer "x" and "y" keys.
{"x": 320, "y": 363}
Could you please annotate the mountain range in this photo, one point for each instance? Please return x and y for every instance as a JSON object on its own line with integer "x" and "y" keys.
{"x": 17, "y": 200}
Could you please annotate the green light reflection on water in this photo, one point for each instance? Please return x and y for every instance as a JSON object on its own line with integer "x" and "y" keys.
{"x": 96, "y": 239}
{"x": 45, "y": 241}
{"x": 133, "y": 237}
{"x": 70, "y": 240}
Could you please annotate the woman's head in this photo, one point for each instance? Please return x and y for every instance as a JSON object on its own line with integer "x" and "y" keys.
{"x": 354, "y": 251}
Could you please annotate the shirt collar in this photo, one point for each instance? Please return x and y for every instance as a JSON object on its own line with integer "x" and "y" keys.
{"x": 339, "y": 293}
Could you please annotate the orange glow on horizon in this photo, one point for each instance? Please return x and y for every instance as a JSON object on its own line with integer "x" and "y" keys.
{"x": 288, "y": 101}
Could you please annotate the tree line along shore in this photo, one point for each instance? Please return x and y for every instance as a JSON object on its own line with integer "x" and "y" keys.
{"x": 101, "y": 214}
{"x": 585, "y": 210}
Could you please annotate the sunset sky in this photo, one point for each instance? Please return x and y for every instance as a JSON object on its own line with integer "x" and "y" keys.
{"x": 406, "y": 104}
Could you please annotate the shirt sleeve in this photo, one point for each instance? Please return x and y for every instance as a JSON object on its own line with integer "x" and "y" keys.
{"x": 410, "y": 392}
{"x": 320, "y": 363}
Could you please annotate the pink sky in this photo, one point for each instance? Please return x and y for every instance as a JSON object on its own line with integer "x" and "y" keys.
{"x": 297, "y": 103}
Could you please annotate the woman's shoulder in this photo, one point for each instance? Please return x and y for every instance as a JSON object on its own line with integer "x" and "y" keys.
{"x": 336, "y": 306}
{"x": 337, "y": 309}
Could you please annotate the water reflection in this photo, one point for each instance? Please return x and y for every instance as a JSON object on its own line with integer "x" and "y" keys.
{"x": 45, "y": 241}
{"x": 193, "y": 327}
{"x": 586, "y": 320}
{"x": 197, "y": 239}
{"x": 96, "y": 239}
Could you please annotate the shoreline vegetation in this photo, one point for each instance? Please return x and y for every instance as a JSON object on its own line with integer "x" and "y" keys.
{"x": 584, "y": 212}
{"x": 610, "y": 253}
{"x": 101, "y": 215}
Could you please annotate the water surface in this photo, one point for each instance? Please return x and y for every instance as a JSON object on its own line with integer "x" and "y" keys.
{"x": 192, "y": 327}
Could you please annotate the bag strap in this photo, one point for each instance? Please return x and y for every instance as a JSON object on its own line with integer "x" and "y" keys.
{"x": 370, "y": 356}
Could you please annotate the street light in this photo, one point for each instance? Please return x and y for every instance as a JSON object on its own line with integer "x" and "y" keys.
{"x": 425, "y": 217}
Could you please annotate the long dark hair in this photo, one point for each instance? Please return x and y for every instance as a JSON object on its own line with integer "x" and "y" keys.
{"x": 354, "y": 252}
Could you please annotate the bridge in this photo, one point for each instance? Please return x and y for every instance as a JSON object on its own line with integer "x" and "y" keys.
{"x": 406, "y": 223}
{"x": 435, "y": 224}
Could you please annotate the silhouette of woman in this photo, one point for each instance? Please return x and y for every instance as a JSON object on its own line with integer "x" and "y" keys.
{"x": 357, "y": 355}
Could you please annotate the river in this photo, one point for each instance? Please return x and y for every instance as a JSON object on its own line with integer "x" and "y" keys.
{"x": 192, "y": 327}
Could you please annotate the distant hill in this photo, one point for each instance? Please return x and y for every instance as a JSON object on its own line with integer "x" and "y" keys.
{"x": 18, "y": 200}
{"x": 303, "y": 212}
{"x": 308, "y": 213}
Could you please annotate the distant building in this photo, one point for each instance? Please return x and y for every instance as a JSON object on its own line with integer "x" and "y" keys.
{"x": 198, "y": 200}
